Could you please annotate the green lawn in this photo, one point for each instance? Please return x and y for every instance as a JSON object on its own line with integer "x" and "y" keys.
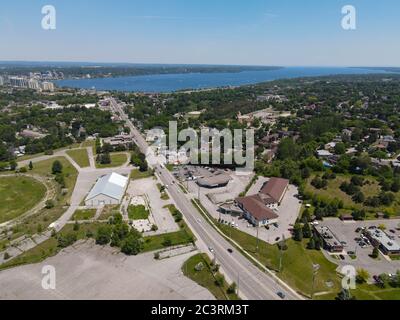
{"x": 41, "y": 220}
{"x": 372, "y": 189}
{"x": 206, "y": 277}
{"x": 297, "y": 262}
{"x": 109, "y": 211}
{"x": 138, "y": 212}
{"x": 183, "y": 236}
{"x": 18, "y": 195}
{"x": 136, "y": 174}
{"x": 80, "y": 156}
{"x": 117, "y": 160}
{"x": 80, "y": 215}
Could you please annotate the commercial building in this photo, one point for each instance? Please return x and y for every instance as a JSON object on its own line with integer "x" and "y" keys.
{"x": 255, "y": 211}
{"x": 48, "y": 86}
{"x": 380, "y": 239}
{"x": 331, "y": 241}
{"x": 108, "y": 190}
{"x": 274, "y": 191}
{"x": 19, "y": 82}
{"x": 1, "y": 81}
{"x": 33, "y": 84}
{"x": 214, "y": 181}
{"x": 260, "y": 209}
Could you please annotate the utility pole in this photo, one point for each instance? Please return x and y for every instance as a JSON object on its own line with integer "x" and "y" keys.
{"x": 257, "y": 227}
{"x": 238, "y": 284}
{"x": 281, "y": 252}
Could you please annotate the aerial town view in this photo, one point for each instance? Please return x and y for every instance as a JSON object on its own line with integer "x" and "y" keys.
{"x": 200, "y": 151}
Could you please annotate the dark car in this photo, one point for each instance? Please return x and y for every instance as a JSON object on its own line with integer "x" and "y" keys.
{"x": 281, "y": 295}
{"x": 230, "y": 250}
{"x": 278, "y": 238}
{"x": 392, "y": 231}
{"x": 358, "y": 230}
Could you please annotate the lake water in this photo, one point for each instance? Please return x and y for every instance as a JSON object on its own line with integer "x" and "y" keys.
{"x": 175, "y": 82}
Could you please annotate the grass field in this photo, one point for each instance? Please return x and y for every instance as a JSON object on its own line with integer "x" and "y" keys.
{"x": 297, "y": 262}
{"x": 80, "y": 215}
{"x": 136, "y": 174}
{"x": 18, "y": 195}
{"x": 80, "y": 156}
{"x": 40, "y": 221}
{"x": 117, "y": 160}
{"x": 138, "y": 212}
{"x": 372, "y": 189}
{"x": 206, "y": 277}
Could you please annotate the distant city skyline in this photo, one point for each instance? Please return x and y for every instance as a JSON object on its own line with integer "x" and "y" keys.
{"x": 267, "y": 33}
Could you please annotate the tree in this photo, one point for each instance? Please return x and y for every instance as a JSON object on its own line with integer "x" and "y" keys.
{"x": 13, "y": 165}
{"x": 103, "y": 235}
{"x": 49, "y": 204}
{"x": 219, "y": 280}
{"x": 30, "y": 165}
{"x": 132, "y": 245}
{"x": 76, "y": 226}
{"x": 340, "y": 148}
{"x": 375, "y": 253}
{"x": 311, "y": 244}
{"x": 57, "y": 167}
{"x": 362, "y": 276}
{"x": 232, "y": 288}
{"x": 298, "y": 232}
{"x": 307, "y": 232}
{"x": 359, "y": 197}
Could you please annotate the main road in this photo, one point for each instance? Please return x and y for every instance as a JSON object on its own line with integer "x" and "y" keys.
{"x": 253, "y": 283}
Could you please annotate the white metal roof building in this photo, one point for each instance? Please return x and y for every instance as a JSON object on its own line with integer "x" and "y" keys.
{"x": 108, "y": 190}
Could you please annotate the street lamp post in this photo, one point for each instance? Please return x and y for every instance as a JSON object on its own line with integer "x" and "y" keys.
{"x": 315, "y": 272}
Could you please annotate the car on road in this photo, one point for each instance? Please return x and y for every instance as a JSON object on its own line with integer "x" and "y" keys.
{"x": 211, "y": 249}
{"x": 277, "y": 238}
{"x": 281, "y": 295}
{"x": 392, "y": 231}
{"x": 230, "y": 250}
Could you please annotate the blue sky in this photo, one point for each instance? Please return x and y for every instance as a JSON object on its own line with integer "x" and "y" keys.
{"x": 253, "y": 32}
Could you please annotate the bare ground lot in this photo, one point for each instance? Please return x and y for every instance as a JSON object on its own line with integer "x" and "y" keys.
{"x": 87, "y": 271}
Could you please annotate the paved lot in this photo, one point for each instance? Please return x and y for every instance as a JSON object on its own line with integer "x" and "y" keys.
{"x": 288, "y": 212}
{"x": 92, "y": 272}
{"x": 162, "y": 217}
{"x": 345, "y": 231}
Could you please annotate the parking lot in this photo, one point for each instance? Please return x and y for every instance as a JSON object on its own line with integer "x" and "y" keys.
{"x": 354, "y": 243}
{"x": 288, "y": 211}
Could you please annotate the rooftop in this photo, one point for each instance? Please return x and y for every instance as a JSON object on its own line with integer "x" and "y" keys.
{"x": 384, "y": 240}
{"x": 275, "y": 188}
{"x": 255, "y": 206}
{"x": 112, "y": 185}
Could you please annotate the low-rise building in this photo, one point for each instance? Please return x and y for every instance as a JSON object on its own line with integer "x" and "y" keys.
{"x": 380, "y": 239}
{"x": 108, "y": 190}
{"x": 331, "y": 241}
{"x": 255, "y": 211}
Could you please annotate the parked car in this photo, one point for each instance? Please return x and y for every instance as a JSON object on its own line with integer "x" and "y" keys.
{"x": 392, "y": 231}
{"x": 278, "y": 238}
{"x": 358, "y": 230}
{"x": 281, "y": 295}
